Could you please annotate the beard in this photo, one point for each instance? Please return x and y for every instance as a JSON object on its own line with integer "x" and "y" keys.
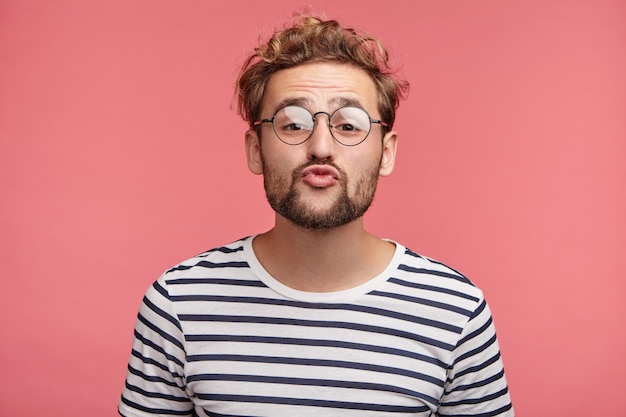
{"x": 286, "y": 200}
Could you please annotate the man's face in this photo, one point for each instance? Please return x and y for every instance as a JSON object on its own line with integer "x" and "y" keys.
{"x": 320, "y": 184}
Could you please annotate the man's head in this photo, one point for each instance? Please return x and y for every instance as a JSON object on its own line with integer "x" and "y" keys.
{"x": 312, "y": 40}
{"x": 317, "y": 73}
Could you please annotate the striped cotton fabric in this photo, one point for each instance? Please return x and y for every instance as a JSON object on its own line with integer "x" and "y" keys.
{"x": 218, "y": 336}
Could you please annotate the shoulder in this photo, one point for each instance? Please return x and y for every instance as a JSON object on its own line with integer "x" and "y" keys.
{"x": 421, "y": 273}
{"x": 229, "y": 255}
{"x": 414, "y": 262}
{"x": 211, "y": 271}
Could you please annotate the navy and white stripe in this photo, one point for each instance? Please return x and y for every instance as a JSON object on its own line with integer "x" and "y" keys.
{"x": 217, "y": 336}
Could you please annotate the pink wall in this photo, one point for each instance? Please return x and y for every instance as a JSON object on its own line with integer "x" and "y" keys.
{"x": 120, "y": 156}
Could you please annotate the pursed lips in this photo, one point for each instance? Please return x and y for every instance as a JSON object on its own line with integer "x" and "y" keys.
{"x": 320, "y": 176}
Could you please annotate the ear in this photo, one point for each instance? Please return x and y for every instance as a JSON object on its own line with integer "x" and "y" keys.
{"x": 388, "y": 160}
{"x": 253, "y": 152}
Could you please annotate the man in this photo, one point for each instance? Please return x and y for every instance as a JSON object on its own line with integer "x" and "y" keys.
{"x": 316, "y": 317}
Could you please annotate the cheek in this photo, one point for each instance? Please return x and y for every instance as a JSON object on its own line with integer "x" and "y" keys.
{"x": 361, "y": 163}
{"x": 276, "y": 167}
{"x": 362, "y": 174}
{"x": 282, "y": 158}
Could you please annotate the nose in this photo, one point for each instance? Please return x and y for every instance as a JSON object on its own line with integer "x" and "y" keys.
{"x": 321, "y": 143}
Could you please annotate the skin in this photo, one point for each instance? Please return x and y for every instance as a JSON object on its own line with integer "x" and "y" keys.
{"x": 331, "y": 258}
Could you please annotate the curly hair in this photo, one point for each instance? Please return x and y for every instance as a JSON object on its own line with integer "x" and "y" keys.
{"x": 311, "y": 39}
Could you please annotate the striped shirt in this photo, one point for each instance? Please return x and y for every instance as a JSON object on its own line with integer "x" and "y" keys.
{"x": 218, "y": 336}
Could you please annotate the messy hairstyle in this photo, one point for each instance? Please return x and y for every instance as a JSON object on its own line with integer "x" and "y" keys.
{"x": 311, "y": 39}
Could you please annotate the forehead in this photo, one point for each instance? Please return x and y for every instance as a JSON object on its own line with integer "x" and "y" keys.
{"x": 321, "y": 87}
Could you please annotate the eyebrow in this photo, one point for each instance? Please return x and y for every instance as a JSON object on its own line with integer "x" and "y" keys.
{"x": 334, "y": 103}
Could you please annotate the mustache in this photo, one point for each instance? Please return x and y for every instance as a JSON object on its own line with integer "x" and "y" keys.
{"x": 297, "y": 172}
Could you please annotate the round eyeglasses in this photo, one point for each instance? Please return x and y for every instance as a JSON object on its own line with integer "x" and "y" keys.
{"x": 348, "y": 125}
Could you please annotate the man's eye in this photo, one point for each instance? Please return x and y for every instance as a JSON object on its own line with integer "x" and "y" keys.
{"x": 293, "y": 127}
{"x": 346, "y": 127}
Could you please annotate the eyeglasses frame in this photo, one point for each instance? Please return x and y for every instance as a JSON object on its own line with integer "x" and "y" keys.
{"x": 314, "y": 119}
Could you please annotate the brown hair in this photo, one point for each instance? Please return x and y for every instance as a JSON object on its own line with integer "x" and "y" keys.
{"x": 312, "y": 39}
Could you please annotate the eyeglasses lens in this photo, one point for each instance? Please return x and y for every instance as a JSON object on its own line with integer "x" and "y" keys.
{"x": 348, "y": 125}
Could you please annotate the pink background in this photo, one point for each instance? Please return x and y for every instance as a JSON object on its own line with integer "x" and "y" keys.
{"x": 120, "y": 156}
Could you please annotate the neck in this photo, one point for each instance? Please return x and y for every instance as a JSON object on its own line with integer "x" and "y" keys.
{"x": 322, "y": 260}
